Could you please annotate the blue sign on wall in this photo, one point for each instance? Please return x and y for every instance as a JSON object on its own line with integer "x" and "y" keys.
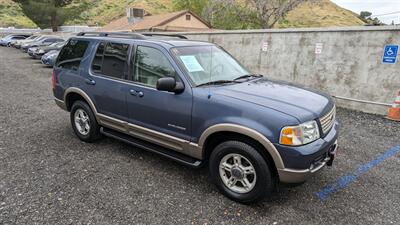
{"x": 390, "y": 54}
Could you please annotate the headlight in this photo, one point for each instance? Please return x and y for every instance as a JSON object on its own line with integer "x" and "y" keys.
{"x": 299, "y": 135}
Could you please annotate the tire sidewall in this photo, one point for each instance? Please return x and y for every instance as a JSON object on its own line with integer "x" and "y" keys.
{"x": 264, "y": 183}
{"x": 94, "y": 127}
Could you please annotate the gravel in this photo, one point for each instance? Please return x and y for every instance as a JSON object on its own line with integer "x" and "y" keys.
{"x": 48, "y": 176}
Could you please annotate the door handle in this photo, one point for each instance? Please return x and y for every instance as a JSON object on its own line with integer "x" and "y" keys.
{"x": 133, "y": 92}
{"x": 90, "y": 81}
{"x": 136, "y": 93}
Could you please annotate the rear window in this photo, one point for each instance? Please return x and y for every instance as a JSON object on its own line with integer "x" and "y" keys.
{"x": 71, "y": 54}
{"x": 111, "y": 60}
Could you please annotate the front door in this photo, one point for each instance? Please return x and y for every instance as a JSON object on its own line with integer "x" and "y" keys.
{"x": 159, "y": 116}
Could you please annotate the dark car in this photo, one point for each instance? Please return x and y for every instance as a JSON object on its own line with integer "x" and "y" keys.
{"x": 6, "y": 41}
{"x": 43, "y": 41}
{"x": 49, "y": 58}
{"x": 38, "y": 52}
{"x": 192, "y": 102}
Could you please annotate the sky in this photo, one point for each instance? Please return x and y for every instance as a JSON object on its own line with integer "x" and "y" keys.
{"x": 377, "y": 7}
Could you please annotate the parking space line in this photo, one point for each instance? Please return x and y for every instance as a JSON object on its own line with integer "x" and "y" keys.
{"x": 345, "y": 180}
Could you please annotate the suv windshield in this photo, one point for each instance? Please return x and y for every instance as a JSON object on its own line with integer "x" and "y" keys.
{"x": 209, "y": 64}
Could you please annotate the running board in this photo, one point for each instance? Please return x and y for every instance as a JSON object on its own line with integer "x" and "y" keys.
{"x": 170, "y": 154}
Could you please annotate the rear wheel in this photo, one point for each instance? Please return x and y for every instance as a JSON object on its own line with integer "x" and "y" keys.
{"x": 84, "y": 122}
{"x": 240, "y": 172}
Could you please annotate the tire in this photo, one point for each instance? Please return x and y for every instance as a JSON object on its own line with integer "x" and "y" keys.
{"x": 259, "y": 186}
{"x": 89, "y": 133}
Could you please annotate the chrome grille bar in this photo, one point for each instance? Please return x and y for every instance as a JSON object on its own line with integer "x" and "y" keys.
{"x": 328, "y": 120}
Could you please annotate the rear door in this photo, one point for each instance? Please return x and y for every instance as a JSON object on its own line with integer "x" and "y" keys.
{"x": 106, "y": 83}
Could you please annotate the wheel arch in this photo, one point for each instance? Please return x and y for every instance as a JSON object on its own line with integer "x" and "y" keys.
{"x": 73, "y": 94}
{"x": 234, "y": 131}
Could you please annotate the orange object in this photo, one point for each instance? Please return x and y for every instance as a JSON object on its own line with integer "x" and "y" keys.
{"x": 394, "y": 111}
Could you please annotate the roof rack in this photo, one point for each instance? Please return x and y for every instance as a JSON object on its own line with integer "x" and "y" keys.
{"x": 112, "y": 34}
{"x": 165, "y": 35}
{"x": 129, "y": 35}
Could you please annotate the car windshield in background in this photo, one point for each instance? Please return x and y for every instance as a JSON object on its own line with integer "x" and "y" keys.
{"x": 32, "y": 37}
{"x": 209, "y": 64}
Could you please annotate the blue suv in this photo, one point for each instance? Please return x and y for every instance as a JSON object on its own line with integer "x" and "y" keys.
{"x": 192, "y": 102}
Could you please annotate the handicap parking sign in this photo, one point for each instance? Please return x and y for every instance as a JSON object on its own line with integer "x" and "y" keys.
{"x": 390, "y": 54}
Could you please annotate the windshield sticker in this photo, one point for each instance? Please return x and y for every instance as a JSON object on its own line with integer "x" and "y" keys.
{"x": 191, "y": 63}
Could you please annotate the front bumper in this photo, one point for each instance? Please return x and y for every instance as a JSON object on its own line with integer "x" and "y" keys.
{"x": 301, "y": 162}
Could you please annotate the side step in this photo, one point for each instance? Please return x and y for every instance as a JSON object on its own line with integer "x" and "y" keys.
{"x": 170, "y": 154}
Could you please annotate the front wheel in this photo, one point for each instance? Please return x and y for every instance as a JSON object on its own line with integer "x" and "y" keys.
{"x": 240, "y": 172}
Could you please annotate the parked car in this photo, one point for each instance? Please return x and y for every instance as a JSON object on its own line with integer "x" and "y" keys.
{"x": 38, "y": 52}
{"x": 49, "y": 58}
{"x": 43, "y": 41}
{"x": 6, "y": 41}
{"x": 192, "y": 102}
{"x": 17, "y": 44}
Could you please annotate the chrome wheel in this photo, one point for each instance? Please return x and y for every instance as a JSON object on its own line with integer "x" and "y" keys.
{"x": 237, "y": 173}
{"x": 82, "y": 121}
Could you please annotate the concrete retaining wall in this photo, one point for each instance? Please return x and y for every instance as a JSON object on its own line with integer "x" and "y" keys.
{"x": 350, "y": 64}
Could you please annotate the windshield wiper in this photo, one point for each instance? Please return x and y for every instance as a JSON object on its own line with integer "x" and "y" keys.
{"x": 217, "y": 82}
{"x": 248, "y": 76}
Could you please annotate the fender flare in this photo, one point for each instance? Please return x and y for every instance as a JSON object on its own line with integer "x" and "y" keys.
{"x": 247, "y": 132}
{"x": 81, "y": 93}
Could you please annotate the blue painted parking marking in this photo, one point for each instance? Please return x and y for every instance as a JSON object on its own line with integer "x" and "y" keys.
{"x": 390, "y": 54}
{"x": 345, "y": 180}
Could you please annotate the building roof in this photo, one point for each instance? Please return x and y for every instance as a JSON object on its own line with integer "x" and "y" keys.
{"x": 148, "y": 23}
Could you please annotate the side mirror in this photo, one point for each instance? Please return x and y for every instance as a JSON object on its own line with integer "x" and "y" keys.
{"x": 169, "y": 84}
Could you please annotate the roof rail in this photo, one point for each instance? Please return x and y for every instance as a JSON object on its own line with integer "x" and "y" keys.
{"x": 113, "y": 34}
{"x": 165, "y": 35}
{"x": 129, "y": 35}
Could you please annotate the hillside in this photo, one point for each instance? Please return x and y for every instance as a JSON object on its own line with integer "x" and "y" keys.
{"x": 104, "y": 11}
{"x": 313, "y": 13}
{"x": 11, "y": 15}
{"x": 320, "y": 13}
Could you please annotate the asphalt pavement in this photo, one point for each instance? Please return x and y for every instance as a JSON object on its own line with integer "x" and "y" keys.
{"x": 48, "y": 176}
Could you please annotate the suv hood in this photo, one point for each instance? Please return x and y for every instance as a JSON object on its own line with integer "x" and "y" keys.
{"x": 301, "y": 103}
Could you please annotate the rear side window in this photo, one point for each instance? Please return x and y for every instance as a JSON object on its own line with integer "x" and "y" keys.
{"x": 111, "y": 59}
{"x": 97, "y": 63}
{"x": 71, "y": 54}
{"x": 18, "y": 38}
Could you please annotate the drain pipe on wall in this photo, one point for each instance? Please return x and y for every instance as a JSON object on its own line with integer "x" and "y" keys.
{"x": 361, "y": 101}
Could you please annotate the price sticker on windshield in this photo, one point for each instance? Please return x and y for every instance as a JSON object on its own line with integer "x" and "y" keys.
{"x": 191, "y": 63}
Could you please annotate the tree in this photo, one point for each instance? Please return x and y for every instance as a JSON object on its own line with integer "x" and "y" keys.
{"x": 269, "y": 12}
{"x": 229, "y": 15}
{"x": 367, "y": 18}
{"x": 365, "y": 15}
{"x": 51, "y": 13}
{"x": 196, "y": 6}
{"x": 239, "y": 14}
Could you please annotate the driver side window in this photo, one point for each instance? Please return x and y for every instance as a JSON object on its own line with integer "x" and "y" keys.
{"x": 150, "y": 65}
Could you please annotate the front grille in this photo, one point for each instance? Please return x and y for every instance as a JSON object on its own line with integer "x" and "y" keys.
{"x": 328, "y": 120}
